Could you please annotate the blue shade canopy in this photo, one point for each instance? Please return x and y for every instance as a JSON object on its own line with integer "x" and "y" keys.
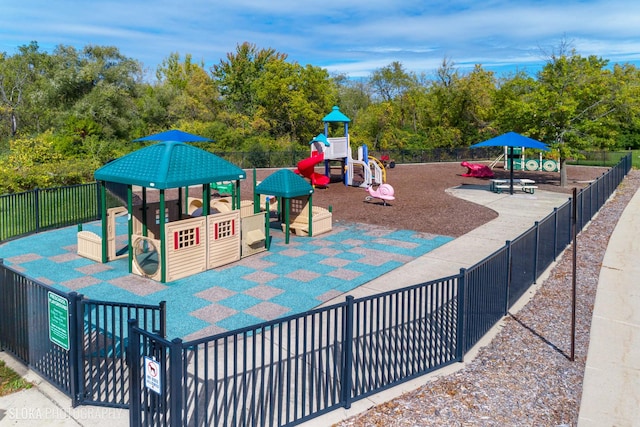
{"x": 512, "y": 139}
{"x": 174, "y": 135}
{"x": 169, "y": 164}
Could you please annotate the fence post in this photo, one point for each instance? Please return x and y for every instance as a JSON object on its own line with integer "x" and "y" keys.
{"x": 133, "y": 360}
{"x": 461, "y": 326}
{"x": 347, "y": 351}
{"x": 535, "y": 252}
{"x": 508, "y": 278}
{"x": 76, "y": 338}
{"x": 555, "y": 234}
{"x": 36, "y": 210}
{"x": 163, "y": 319}
{"x": 175, "y": 405}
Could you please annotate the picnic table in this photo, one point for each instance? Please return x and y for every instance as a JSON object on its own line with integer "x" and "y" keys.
{"x": 526, "y": 185}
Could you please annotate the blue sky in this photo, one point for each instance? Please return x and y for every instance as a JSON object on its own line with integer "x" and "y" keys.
{"x": 352, "y": 37}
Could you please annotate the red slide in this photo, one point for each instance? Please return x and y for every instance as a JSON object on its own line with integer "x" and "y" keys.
{"x": 306, "y": 168}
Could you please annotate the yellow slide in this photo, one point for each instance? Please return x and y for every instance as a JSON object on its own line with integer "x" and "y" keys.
{"x": 382, "y": 168}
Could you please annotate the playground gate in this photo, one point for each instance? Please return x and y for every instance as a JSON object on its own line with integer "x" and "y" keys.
{"x": 77, "y": 344}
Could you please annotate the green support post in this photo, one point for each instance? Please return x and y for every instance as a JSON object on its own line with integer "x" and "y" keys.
{"x": 144, "y": 211}
{"x": 130, "y": 225}
{"x": 287, "y": 206}
{"x": 206, "y": 199}
{"x": 310, "y": 216}
{"x": 256, "y": 196}
{"x": 163, "y": 255}
{"x": 267, "y": 226}
{"x": 103, "y": 214}
{"x": 236, "y": 193}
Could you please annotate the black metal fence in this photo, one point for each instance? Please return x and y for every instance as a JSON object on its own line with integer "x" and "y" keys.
{"x": 44, "y": 209}
{"x": 77, "y": 344}
{"x": 294, "y": 369}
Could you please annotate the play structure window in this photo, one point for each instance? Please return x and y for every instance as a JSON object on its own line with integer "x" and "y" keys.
{"x": 186, "y": 238}
{"x": 146, "y": 256}
{"x": 297, "y": 205}
{"x": 224, "y": 229}
{"x": 166, "y": 216}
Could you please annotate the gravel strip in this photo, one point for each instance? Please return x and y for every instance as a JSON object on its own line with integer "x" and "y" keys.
{"x": 523, "y": 377}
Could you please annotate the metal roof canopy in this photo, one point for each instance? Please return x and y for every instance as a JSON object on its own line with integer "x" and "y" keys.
{"x": 336, "y": 116}
{"x": 169, "y": 164}
{"x": 286, "y": 185}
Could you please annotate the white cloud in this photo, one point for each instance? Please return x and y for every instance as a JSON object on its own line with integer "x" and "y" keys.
{"x": 353, "y": 37}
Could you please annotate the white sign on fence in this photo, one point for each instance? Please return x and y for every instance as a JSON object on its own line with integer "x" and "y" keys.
{"x": 152, "y": 375}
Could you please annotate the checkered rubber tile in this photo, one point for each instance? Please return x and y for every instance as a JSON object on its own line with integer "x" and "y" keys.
{"x": 288, "y": 279}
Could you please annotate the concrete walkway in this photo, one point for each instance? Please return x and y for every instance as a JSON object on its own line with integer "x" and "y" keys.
{"x": 45, "y": 405}
{"x": 611, "y": 387}
{"x": 516, "y": 214}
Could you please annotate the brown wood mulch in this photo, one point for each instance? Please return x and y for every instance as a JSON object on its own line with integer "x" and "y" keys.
{"x": 524, "y": 376}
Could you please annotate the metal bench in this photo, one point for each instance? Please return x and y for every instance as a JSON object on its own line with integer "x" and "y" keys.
{"x": 525, "y": 188}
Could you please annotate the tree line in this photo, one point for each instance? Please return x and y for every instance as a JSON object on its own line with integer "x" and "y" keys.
{"x": 65, "y": 113}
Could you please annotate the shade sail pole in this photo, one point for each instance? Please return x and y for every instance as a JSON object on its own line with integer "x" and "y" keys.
{"x": 511, "y": 170}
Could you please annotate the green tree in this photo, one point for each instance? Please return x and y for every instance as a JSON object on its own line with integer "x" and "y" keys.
{"x": 21, "y": 79}
{"x": 575, "y": 96}
{"x": 293, "y": 99}
{"x": 626, "y": 118}
{"x": 391, "y": 81}
{"x": 94, "y": 93}
{"x": 195, "y": 95}
{"x": 515, "y": 108}
{"x": 354, "y": 96}
{"x": 236, "y": 75}
{"x": 35, "y": 162}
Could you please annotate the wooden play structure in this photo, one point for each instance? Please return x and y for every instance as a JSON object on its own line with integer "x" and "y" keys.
{"x": 295, "y": 204}
{"x": 172, "y": 238}
{"x": 301, "y": 214}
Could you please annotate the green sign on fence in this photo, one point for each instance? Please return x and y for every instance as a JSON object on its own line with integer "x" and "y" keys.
{"x": 59, "y": 320}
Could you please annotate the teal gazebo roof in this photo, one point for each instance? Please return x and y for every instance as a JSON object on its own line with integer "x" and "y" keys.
{"x": 336, "y": 116}
{"x": 284, "y": 183}
{"x": 169, "y": 164}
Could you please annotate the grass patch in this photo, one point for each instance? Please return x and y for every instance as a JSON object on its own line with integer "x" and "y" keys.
{"x": 10, "y": 381}
{"x": 606, "y": 158}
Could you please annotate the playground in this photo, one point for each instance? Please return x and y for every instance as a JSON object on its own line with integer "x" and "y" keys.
{"x": 422, "y": 202}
